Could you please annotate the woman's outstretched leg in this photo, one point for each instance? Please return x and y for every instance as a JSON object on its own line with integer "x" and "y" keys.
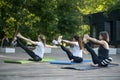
{"x": 93, "y": 54}
{"x": 68, "y": 52}
{"x": 30, "y": 52}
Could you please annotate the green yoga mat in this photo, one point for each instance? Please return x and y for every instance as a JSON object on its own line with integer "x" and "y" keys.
{"x": 27, "y": 61}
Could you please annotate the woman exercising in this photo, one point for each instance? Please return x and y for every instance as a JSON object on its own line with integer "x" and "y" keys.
{"x": 76, "y": 55}
{"x": 102, "y": 59}
{"x": 38, "y": 53}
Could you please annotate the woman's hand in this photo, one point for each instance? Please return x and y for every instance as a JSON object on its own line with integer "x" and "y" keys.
{"x": 19, "y": 35}
{"x": 60, "y": 39}
{"x": 86, "y": 36}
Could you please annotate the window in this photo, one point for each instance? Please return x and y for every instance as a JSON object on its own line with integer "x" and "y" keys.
{"x": 109, "y": 29}
{"x": 118, "y": 30}
{"x": 94, "y": 31}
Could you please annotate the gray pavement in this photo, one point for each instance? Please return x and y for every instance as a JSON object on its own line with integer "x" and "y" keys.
{"x": 47, "y": 71}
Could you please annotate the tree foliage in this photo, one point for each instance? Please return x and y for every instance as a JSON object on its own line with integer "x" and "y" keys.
{"x": 94, "y": 6}
{"x": 50, "y": 17}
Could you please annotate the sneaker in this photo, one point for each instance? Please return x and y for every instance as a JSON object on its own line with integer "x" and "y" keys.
{"x": 55, "y": 42}
{"x": 14, "y": 42}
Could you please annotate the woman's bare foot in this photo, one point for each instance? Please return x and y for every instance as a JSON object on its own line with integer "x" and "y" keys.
{"x": 85, "y": 51}
{"x": 94, "y": 65}
{"x": 14, "y": 39}
{"x": 71, "y": 60}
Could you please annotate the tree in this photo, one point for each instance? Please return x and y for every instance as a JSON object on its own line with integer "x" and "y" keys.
{"x": 14, "y": 16}
{"x": 94, "y": 6}
{"x": 69, "y": 18}
{"x": 50, "y": 17}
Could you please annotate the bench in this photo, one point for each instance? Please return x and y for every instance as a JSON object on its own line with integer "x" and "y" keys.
{"x": 7, "y": 50}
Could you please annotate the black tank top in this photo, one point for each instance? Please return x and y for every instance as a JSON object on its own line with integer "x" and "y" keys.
{"x": 103, "y": 53}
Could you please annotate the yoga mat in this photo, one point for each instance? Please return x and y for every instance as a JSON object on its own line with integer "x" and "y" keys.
{"x": 44, "y": 59}
{"x": 67, "y": 62}
{"x": 27, "y": 61}
{"x": 18, "y": 61}
{"x": 89, "y": 67}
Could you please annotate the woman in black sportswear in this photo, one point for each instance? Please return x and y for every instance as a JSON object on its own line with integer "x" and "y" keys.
{"x": 102, "y": 59}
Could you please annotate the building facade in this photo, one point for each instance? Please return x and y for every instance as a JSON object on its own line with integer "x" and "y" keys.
{"x": 110, "y": 23}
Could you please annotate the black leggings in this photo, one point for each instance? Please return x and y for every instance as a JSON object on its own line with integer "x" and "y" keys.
{"x": 30, "y": 52}
{"x": 70, "y": 55}
{"x": 95, "y": 58}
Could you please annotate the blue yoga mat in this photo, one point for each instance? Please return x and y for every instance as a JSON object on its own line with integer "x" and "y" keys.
{"x": 67, "y": 62}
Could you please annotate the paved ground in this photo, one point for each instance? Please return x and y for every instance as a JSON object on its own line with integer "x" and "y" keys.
{"x": 46, "y": 71}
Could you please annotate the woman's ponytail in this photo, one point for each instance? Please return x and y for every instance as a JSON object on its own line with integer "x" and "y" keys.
{"x": 80, "y": 42}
